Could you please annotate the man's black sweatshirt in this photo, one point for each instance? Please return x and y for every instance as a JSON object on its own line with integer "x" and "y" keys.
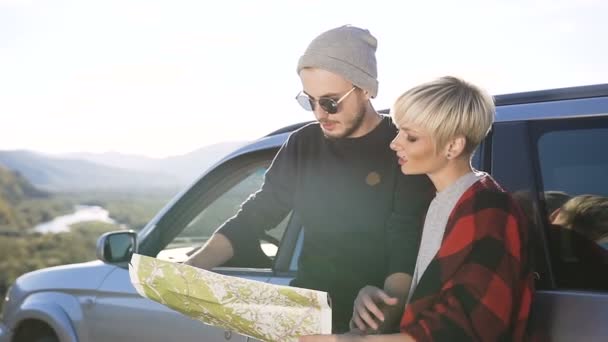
{"x": 362, "y": 217}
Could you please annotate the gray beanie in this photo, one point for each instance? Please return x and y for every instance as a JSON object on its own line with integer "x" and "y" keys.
{"x": 347, "y": 51}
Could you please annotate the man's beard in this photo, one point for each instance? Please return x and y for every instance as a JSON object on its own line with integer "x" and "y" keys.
{"x": 353, "y": 125}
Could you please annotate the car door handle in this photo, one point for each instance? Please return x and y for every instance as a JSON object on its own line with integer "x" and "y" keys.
{"x": 88, "y": 302}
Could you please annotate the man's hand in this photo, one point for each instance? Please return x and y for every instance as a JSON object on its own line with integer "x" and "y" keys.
{"x": 368, "y": 312}
{"x": 215, "y": 252}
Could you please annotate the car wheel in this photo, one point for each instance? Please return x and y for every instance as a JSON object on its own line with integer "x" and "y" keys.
{"x": 46, "y": 339}
{"x": 35, "y": 331}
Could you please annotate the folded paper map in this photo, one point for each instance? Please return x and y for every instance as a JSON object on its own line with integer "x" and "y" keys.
{"x": 263, "y": 311}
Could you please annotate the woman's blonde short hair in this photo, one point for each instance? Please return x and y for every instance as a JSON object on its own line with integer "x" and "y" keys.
{"x": 447, "y": 107}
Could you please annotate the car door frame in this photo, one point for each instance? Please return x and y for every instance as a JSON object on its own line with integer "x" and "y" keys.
{"x": 198, "y": 197}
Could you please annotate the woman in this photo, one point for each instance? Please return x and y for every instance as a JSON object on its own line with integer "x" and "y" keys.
{"x": 472, "y": 279}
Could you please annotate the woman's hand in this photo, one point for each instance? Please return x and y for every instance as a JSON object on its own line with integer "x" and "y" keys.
{"x": 368, "y": 308}
{"x": 348, "y": 337}
{"x": 318, "y": 338}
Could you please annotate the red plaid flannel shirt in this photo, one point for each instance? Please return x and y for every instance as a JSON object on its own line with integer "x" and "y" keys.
{"x": 479, "y": 286}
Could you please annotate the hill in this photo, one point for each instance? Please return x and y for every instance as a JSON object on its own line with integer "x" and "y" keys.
{"x": 22, "y": 205}
{"x": 67, "y": 174}
{"x": 113, "y": 171}
{"x": 185, "y": 168}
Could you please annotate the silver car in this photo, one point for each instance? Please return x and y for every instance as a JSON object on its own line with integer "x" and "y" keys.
{"x": 542, "y": 141}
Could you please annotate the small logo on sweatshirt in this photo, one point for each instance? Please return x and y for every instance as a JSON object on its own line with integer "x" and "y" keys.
{"x": 373, "y": 178}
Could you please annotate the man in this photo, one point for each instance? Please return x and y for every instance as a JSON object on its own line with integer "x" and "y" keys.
{"x": 362, "y": 217}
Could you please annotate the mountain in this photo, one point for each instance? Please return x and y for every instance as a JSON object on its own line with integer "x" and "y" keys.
{"x": 113, "y": 171}
{"x": 52, "y": 173}
{"x": 185, "y": 168}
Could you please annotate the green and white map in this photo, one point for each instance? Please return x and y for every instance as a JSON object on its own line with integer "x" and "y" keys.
{"x": 263, "y": 311}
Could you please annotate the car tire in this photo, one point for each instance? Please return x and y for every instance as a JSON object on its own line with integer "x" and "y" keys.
{"x": 46, "y": 339}
{"x": 35, "y": 331}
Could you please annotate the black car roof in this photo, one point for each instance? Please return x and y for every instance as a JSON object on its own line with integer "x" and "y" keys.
{"x": 558, "y": 94}
{"x": 528, "y": 97}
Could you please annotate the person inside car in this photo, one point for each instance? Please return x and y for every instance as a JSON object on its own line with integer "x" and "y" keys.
{"x": 576, "y": 240}
{"x": 585, "y": 214}
{"x": 472, "y": 280}
{"x": 362, "y": 217}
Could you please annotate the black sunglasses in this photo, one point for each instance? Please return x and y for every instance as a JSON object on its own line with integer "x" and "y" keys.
{"x": 329, "y": 105}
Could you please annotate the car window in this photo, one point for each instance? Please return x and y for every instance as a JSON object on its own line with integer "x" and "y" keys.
{"x": 573, "y": 173}
{"x": 199, "y": 229}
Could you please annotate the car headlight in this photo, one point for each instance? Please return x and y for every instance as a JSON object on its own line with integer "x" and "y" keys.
{"x": 6, "y": 302}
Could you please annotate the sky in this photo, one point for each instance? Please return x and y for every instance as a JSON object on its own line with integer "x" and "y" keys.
{"x": 162, "y": 78}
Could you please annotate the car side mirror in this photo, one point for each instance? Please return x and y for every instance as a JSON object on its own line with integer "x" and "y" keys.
{"x": 117, "y": 246}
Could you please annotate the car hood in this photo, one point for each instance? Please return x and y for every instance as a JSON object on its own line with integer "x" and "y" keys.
{"x": 83, "y": 276}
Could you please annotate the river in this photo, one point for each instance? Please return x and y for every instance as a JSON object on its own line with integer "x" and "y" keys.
{"x": 81, "y": 213}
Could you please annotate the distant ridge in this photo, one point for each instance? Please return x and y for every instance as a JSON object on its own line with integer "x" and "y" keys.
{"x": 112, "y": 171}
